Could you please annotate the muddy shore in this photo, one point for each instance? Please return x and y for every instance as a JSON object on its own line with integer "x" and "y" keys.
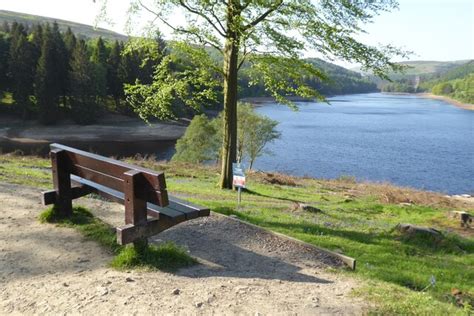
{"x": 113, "y": 134}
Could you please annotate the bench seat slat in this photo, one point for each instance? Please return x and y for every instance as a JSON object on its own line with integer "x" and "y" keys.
{"x": 178, "y": 203}
{"x": 190, "y": 212}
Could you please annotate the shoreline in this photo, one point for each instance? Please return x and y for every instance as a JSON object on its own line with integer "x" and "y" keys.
{"x": 459, "y": 104}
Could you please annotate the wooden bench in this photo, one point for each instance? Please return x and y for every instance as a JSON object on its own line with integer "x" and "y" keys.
{"x": 148, "y": 207}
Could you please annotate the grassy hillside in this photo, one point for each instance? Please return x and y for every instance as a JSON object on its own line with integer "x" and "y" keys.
{"x": 78, "y": 28}
{"x": 421, "y": 69}
{"x": 403, "y": 275}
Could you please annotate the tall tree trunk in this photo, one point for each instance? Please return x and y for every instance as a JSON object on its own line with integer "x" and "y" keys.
{"x": 229, "y": 142}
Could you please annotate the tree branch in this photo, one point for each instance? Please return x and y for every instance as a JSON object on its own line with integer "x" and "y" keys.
{"x": 179, "y": 29}
{"x": 264, "y": 15}
{"x": 192, "y": 10}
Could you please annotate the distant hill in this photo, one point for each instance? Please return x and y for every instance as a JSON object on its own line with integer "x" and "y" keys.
{"x": 419, "y": 70}
{"x": 421, "y": 67}
{"x": 78, "y": 28}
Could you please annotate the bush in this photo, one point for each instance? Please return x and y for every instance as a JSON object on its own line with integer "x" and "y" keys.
{"x": 199, "y": 143}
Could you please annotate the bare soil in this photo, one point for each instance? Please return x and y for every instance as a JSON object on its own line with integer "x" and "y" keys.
{"x": 45, "y": 269}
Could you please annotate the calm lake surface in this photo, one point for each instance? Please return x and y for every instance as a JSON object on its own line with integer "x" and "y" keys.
{"x": 406, "y": 140}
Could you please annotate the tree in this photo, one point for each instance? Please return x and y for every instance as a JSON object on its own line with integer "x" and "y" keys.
{"x": 83, "y": 101}
{"x": 22, "y": 67}
{"x": 48, "y": 82}
{"x": 199, "y": 142}
{"x": 4, "y": 57}
{"x": 61, "y": 61}
{"x": 254, "y": 133}
{"x": 99, "y": 74}
{"x": 270, "y": 36}
{"x": 114, "y": 84}
{"x": 442, "y": 88}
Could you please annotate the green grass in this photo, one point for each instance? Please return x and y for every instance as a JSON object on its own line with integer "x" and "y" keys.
{"x": 398, "y": 270}
{"x": 166, "y": 257}
{"x": 25, "y": 170}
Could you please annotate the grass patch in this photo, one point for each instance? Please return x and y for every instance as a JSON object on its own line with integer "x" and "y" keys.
{"x": 166, "y": 257}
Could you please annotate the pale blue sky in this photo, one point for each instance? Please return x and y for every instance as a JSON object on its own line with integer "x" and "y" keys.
{"x": 433, "y": 29}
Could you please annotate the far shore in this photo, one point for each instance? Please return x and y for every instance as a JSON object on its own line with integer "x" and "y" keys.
{"x": 258, "y": 101}
{"x": 457, "y": 103}
{"x": 426, "y": 95}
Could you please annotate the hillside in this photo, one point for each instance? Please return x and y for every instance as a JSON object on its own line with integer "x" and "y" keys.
{"x": 341, "y": 81}
{"x": 423, "y": 67}
{"x": 78, "y": 28}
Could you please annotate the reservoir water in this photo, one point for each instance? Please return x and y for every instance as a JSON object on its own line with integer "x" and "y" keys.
{"x": 403, "y": 139}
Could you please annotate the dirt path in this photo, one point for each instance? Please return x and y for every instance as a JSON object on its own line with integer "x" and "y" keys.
{"x": 49, "y": 270}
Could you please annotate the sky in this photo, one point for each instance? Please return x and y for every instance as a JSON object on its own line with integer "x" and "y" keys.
{"x": 439, "y": 30}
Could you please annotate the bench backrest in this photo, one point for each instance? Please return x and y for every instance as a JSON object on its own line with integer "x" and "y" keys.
{"x": 148, "y": 185}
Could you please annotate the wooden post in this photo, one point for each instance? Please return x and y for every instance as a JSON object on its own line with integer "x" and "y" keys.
{"x": 62, "y": 182}
{"x": 135, "y": 207}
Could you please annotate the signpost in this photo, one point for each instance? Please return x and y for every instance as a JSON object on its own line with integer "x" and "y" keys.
{"x": 238, "y": 179}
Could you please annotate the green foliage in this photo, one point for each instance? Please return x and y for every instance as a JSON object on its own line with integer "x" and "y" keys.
{"x": 199, "y": 143}
{"x": 202, "y": 137}
{"x": 254, "y": 133}
{"x": 186, "y": 76}
{"x": 114, "y": 84}
{"x": 48, "y": 80}
{"x": 42, "y": 57}
{"x": 457, "y": 83}
{"x": 84, "y": 81}
{"x": 4, "y": 55}
{"x": 22, "y": 64}
{"x": 166, "y": 256}
{"x": 442, "y": 88}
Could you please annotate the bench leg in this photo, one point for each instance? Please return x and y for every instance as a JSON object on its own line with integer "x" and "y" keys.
{"x": 62, "y": 182}
{"x": 135, "y": 208}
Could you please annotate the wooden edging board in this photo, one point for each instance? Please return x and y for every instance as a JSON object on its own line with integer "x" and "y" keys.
{"x": 348, "y": 261}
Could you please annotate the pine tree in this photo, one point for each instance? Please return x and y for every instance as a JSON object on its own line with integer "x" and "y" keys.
{"x": 61, "y": 57}
{"x": 99, "y": 53}
{"x": 4, "y": 56}
{"x": 99, "y": 75}
{"x": 21, "y": 70}
{"x": 48, "y": 80}
{"x": 69, "y": 41}
{"x": 83, "y": 100}
{"x": 36, "y": 39}
{"x": 114, "y": 82}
